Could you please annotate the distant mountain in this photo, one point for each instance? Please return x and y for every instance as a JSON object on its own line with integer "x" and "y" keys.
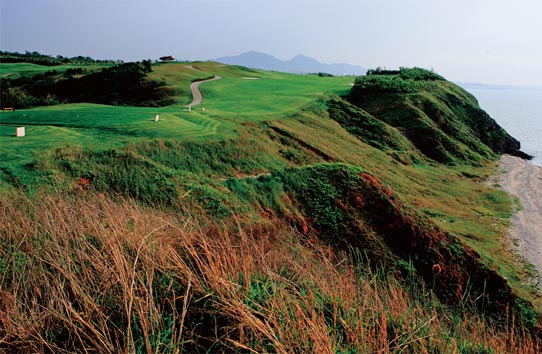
{"x": 299, "y": 64}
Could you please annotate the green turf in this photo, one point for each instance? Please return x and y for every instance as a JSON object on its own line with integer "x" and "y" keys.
{"x": 272, "y": 96}
{"x": 95, "y": 126}
{"x": 228, "y": 102}
{"x": 12, "y": 70}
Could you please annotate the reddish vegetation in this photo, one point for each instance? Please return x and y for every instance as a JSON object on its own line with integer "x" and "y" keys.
{"x": 305, "y": 227}
{"x": 119, "y": 277}
{"x": 437, "y": 268}
{"x": 83, "y": 181}
{"x": 386, "y": 229}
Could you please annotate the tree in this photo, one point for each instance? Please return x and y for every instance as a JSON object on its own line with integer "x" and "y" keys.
{"x": 16, "y": 97}
{"x": 147, "y": 65}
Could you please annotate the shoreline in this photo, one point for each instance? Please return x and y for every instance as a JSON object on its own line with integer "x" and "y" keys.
{"x": 523, "y": 179}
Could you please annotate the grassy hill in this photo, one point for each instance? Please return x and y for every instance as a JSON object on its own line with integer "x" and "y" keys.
{"x": 296, "y": 213}
{"x": 442, "y": 120}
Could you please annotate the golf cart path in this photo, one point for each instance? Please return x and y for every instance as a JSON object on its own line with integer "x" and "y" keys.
{"x": 196, "y": 94}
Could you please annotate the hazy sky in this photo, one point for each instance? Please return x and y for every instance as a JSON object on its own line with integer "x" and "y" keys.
{"x": 483, "y": 41}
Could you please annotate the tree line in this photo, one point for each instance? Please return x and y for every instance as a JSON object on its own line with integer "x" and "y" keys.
{"x": 49, "y": 60}
{"x": 123, "y": 84}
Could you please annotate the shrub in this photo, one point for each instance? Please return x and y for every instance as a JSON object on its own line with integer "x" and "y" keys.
{"x": 418, "y": 74}
{"x": 404, "y": 80}
{"x": 124, "y": 84}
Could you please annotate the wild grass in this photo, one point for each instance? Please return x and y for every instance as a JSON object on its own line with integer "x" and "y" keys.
{"x": 83, "y": 272}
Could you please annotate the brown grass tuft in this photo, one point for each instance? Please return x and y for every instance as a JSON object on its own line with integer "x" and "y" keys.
{"x": 86, "y": 273}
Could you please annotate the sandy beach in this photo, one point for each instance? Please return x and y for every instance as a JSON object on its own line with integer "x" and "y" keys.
{"x": 524, "y": 180}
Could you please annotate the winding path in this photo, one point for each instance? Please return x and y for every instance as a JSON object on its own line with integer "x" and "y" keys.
{"x": 196, "y": 94}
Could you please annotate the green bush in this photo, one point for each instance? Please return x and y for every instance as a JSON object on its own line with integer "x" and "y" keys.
{"x": 418, "y": 74}
{"x": 120, "y": 172}
{"x": 383, "y": 84}
{"x": 124, "y": 84}
{"x": 404, "y": 80}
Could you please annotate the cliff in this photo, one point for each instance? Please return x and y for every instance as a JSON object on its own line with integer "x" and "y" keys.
{"x": 441, "y": 119}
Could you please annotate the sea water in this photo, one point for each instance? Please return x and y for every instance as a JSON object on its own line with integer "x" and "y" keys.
{"x": 518, "y": 111}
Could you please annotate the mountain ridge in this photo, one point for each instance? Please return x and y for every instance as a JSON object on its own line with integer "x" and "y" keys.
{"x": 298, "y": 64}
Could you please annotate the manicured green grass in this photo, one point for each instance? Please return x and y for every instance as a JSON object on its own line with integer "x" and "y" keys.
{"x": 123, "y": 121}
{"x": 24, "y": 69}
{"x": 228, "y": 102}
{"x": 246, "y": 94}
{"x": 96, "y": 127}
{"x": 272, "y": 96}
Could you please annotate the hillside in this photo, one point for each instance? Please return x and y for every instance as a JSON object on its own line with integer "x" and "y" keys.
{"x": 295, "y": 213}
{"x": 442, "y": 120}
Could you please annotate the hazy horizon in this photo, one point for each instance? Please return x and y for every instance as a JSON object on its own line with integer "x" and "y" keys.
{"x": 478, "y": 41}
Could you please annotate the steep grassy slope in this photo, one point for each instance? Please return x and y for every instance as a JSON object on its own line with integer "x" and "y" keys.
{"x": 390, "y": 179}
{"x": 441, "y": 119}
{"x": 350, "y": 208}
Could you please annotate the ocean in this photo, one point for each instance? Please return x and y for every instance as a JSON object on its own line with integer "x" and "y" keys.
{"x": 517, "y": 110}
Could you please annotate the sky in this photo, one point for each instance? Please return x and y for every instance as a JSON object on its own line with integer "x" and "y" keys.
{"x": 475, "y": 41}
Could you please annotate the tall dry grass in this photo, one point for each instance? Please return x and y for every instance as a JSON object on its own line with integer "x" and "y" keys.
{"x": 83, "y": 272}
